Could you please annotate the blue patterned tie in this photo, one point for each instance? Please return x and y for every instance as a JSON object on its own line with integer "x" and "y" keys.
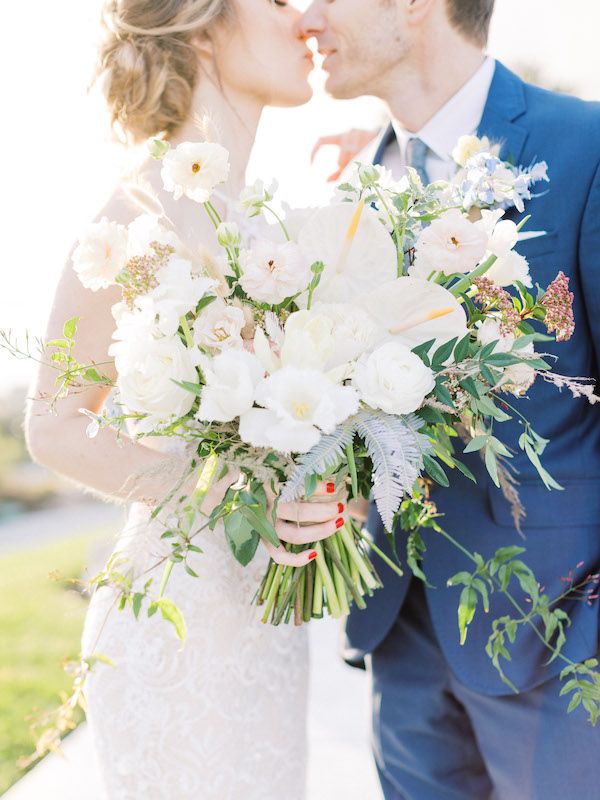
{"x": 416, "y": 153}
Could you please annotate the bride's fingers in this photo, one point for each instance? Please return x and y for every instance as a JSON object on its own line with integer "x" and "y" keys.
{"x": 310, "y": 512}
{"x": 293, "y": 534}
{"x": 281, "y": 556}
{"x": 325, "y": 489}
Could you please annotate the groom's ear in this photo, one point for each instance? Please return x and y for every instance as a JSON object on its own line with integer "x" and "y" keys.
{"x": 417, "y": 10}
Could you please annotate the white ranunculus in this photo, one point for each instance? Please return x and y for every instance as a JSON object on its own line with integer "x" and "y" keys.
{"x": 452, "y": 243}
{"x": 509, "y": 269}
{"x": 393, "y": 379}
{"x": 300, "y": 404}
{"x": 469, "y": 146}
{"x": 489, "y": 331}
{"x": 148, "y": 367}
{"x": 219, "y": 326}
{"x": 177, "y": 293}
{"x": 100, "y": 254}
{"x": 253, "y": 197}
{"x": 146, "y": 229}
{"x": 231, "y": 378}
{"x": 308, "y": 342}
{"x": 194, "y": 169}
{"x": 272, "y": 272}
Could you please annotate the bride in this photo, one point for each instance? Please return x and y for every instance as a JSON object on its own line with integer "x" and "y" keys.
{"x": 223, "y": 717}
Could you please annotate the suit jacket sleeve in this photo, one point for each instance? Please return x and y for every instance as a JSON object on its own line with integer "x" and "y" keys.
{"x": 589, "y": 262}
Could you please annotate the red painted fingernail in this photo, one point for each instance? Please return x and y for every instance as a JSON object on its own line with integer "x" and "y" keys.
{"x": 313, "y": 555}
{"x": 339, "y": 523}
{"x": 330, "y": 488}
{"x": 341, "y": 508}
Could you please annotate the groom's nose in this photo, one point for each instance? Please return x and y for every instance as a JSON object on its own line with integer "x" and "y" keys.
{"x": 312, "y": 22}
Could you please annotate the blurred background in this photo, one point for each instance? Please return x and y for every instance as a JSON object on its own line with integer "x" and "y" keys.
{"x": 58, "y": 167}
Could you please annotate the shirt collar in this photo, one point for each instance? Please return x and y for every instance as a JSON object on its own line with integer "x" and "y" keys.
{"x": 460, "y": 116}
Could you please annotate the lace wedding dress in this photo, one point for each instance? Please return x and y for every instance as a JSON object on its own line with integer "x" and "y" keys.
{"x": 221, "y": 717}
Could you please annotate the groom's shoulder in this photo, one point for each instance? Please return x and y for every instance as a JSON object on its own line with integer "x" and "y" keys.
{"x": 565, "y": 112}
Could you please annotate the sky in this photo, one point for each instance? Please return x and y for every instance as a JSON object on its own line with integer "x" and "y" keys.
{"x": 57, "y": 166}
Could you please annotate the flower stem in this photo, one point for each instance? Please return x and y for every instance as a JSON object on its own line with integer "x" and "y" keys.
{"x": 353, "y": 552}
{"x": 333, "y": 603}
{"x": 279, "y": 220}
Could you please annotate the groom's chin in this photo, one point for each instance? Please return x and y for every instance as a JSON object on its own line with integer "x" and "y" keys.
{"x": 338, "y": 88}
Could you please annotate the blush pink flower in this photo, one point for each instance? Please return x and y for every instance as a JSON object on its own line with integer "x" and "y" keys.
{"x": 558, "y": 302}
{"x": 272, "y": 272}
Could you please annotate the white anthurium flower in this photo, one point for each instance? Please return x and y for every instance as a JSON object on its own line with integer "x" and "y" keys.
{"x": 231, "y": 378}
{"x": 100, "y": 254}
{"x": 219, "y": 326}
{"x": 393, "y": 379}
{"x": 299, "y": 404}
{"x": 273, "y": 272}
{"x": 354, "y": 246}
{"x": 148, "y": 367}
{"x": 308, "y": 342}
{"x": 450, "y": 244}
{"x": 194, "y": 169}
{"x": 177, "y": 293}
{"x": 414, "y": 311}
{"x": 264, "y": 352}
{"x": 146, "y": 229}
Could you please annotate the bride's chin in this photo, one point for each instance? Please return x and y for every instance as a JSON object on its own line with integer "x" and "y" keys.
{"x": 294, "y": 96}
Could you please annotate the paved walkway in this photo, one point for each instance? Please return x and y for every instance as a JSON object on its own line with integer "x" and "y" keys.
{"x": 340, "y": 765}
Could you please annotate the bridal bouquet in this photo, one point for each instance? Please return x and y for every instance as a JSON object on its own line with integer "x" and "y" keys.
{"x": 365, "y": 344}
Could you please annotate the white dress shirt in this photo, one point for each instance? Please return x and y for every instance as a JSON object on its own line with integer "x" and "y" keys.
{"x": 460, "y": 116}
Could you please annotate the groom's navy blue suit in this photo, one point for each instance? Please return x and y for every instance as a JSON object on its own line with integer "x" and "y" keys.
{"x": 562, "y": 529}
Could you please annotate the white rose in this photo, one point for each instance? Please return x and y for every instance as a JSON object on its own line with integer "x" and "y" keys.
{"x": 178, "y": 292}
{"x": 308, "y": 342}
{"x": 273, "y": 272}
{"x": 353, "y": 332}
{"x": 219, "y": 326}
{"x": 509, "y": 269}
{"x": 194, "y": 169}
{"x": 147, "y": 368}
{"x": 100, "y": 254}
{"x": 231, "y": 378}
{"x": 393, "y": 379}
{"x": 452, "y": 243}
{"x": 298, "y": 405}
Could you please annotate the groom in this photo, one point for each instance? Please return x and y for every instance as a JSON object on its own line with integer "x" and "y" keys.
{"x": 445, "y": 726}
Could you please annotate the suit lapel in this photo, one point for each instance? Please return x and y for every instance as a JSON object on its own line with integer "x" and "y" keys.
{"x": 386, "y": 137}
{"x": 505, "y": 104}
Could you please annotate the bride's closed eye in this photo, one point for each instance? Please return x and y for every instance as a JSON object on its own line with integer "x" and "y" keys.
{"x": 281, "y": 3}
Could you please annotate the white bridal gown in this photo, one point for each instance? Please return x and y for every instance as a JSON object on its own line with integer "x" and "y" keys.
{"x": 221, "y": 717}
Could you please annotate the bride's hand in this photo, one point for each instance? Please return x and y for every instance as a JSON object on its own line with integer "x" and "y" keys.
{"x": 306, "y": 522}
{"x": 349, "y": 143}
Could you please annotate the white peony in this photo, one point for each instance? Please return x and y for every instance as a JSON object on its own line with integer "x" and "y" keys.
{"x": 219, "y": 326}
{"x": 100, "y": 254}
{"x": 353, "y": 332}
{"x": 298, "y": 405}
{"x": 194, "y": 169}
{"x": 452, "y": 243}
{"x": 148, "y": 367}
{"x": 393, "y": 379}
{"x": 146, "y": 229}
{"x": 308, "y": 342}
{"x": 231, "y": 378}
{"x": 272, "y": 272}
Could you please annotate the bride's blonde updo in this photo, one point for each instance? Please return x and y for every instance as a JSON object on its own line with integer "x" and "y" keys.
{"x": 147, "y": 65}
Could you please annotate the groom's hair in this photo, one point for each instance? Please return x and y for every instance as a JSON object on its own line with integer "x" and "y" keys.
{"x": 472, "y": 18}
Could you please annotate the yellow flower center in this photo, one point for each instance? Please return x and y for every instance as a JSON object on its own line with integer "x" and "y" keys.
{"x": 271, "y": 265}
{"x": 301, "y": 410}
{"x": 220, "y": 334}
{"x": 107, "y": 252}
{"x": 454, "y": 241}
{"x": 196, "y": 167}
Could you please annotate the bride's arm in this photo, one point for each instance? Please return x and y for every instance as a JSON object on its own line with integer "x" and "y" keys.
{"x": 123, "y": 471}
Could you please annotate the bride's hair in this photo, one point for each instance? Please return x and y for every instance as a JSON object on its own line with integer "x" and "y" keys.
{"x": 147, "y": 65}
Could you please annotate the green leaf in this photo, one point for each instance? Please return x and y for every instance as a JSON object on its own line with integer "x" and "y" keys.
{"x": 443, "y": 353}
{"x": 461, "y": 350}
{"x": 469, "y": 385}
{"x": 491, "y": 465}
{"x": 435, "y": 472}
{"x": 261, "y": 525}
{"x": 575, "y": 701}
{"x": 466, "y": 611}
{"x": 194, "y": 388}
{"x": 442, "y": 394}
{"x": 503, "y": 359}
{"x": 422, "y": 351}
{"x": 92, "y": 375}
{"x": 242, "y": 537}
{"x": 476, "y": 444}
{"x": 137, "y": 603}
{"x": 460, "y": 579}
{"x": 70, "y": 328}
{"x": 170, "y": 613}
{"x": 62, "y": 343}
{"x": 190, "y": 571}
{"x": 204, "y": 302}
{"x": 465, "y": 470}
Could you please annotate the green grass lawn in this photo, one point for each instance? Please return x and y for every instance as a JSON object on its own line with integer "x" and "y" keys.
{"x": 40, "y": 625}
